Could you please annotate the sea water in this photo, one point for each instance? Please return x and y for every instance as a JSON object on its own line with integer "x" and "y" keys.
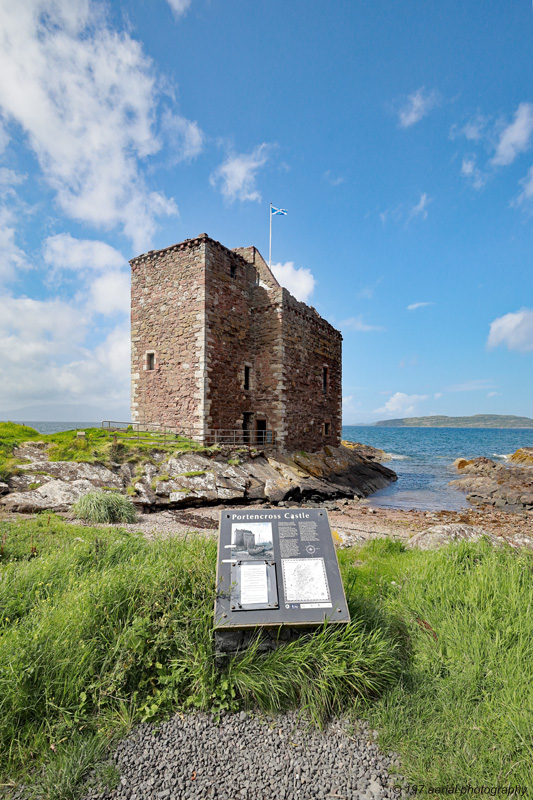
{"x": 59, "y": 427}
{"x": 422, "y": 459}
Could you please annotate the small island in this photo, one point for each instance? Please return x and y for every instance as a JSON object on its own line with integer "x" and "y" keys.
{"x": 475, "y": 421}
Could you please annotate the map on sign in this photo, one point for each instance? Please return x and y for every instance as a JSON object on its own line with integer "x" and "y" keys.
{"x": 304, "y": 580}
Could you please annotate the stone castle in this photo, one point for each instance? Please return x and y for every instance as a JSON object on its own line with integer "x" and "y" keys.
{"x": 221, "y": 350}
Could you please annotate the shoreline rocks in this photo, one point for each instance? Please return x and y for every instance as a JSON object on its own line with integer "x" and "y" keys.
{"x": 490, "y": 483}
{"x": 194, "y": 479}
{"x": 524, "y": 455}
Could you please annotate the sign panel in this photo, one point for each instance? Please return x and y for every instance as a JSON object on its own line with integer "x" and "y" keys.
{"x": 276, "y": 567}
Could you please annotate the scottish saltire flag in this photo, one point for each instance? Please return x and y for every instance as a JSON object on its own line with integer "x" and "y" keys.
{"x": 274, "y": 211}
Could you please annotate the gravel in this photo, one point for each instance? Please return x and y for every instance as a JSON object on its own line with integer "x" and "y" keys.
{"x": 248, "y": 756}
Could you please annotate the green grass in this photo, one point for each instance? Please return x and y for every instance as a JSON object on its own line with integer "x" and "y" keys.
{"x": 439, "y": 655}
{"x": 194, "y": 473}
{"x": 463, "y": 710}
{"x": 11, "y": 435}
{"x": 99, "y": 628}
{"x": 106, "y": 507}
{"x": 98, "y": 445}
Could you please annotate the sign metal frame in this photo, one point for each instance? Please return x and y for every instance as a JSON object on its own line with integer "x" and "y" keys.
{"x": 300, "y": 585}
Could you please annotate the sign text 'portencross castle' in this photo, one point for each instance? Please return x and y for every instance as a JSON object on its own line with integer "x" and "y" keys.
{"x": 219, "y": 346}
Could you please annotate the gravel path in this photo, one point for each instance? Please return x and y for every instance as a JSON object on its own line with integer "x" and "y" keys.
{"x": 247, "y": 756}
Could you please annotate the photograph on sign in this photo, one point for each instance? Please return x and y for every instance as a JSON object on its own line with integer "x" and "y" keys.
{"x": 253, "y": 584}
{"x": 252, "y": 540}
{"x": 304, "y": 580}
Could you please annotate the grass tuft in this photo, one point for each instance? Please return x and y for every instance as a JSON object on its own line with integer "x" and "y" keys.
{"x": 105, "y": 507}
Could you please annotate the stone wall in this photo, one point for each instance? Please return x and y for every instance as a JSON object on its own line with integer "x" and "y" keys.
{"x": 268, "y": 358}
{"x": 312, "y": 398}
{"x": 167, "y": 320}
{"x": 228, "y": 336}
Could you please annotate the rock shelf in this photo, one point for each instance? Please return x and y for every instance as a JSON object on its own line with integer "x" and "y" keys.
{"x": 195, "y": 479}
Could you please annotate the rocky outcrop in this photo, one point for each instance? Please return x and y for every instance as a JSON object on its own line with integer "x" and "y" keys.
{"x": 524, "y": 455}
{"x": 490, "y": 483}
{"x": 439, "y": 535}
{"x": 372, "y": 453}
{"x": 194, "y": 479}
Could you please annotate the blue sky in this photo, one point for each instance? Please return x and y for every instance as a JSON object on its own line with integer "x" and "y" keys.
{"x": 399, "y": 137}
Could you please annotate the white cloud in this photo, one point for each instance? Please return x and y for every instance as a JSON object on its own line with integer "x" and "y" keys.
{"x": 514, "y": 330}
{"x": 527, "y": 191}
{"x": 472, "y": 173}
{"x": 357, "y": 324}
{"x": 333, "y": 180}
{"x": 367, "y": 292}
{"x": 473, "y": 130}
{"x": 65, "y": 252}
{"x": 401, "y": 404}
{"x": 420, "y": 209}
{"x": 12, "y": 258}
{"x": 417, "y": 106}
{"x": 179, "y": 7}
{"x": 85, "y": 95}
{"x": 478, "y": 385}
{"x": 408, "y": 361}
{"x": 110, "y": 293}
{"x": 8, "y": 179}
{"x": 4, "y": 138}
{"x": 437, "y": 395}
{"x": 350, "y": 408}
{"x": 300, "y": 282}
{"x": 114, "y": 353}
{"x": 494, "y": 394}
{"x": 414, "y": 306}
{"x": 45, "y": 360}
{"x": 30, "y": 329}
{"x": 236, "y": 176}
{"x": 185, "y": 138}
{"x": 516, "y": 137}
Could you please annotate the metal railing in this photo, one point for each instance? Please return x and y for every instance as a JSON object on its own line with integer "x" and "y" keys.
{"x": 236, "y": 436}
{"x": 230, "y": 437}
{"x": 150, "y": 431}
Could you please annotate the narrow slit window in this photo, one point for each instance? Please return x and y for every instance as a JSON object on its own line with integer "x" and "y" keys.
{"x": 246, "y": 378}
{"x": 325, "y": 380}
{"x": 150, "y": 361}
{"x": 327, "y": 428}
{"x": 233, "y": 270}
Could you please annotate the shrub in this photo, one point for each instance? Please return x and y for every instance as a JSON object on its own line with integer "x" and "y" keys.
{"x": 105, "y": 507}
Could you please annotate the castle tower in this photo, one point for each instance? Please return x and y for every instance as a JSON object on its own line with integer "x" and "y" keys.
{"x": 219, "y": 345}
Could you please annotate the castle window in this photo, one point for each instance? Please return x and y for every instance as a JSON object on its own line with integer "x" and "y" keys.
{"x": 150, "y": 361}
{"x": 327, "y": 428}
{"x": 325, "y": 380}
{"x": 247, "y": 371}
{"x": 233, "y": 270}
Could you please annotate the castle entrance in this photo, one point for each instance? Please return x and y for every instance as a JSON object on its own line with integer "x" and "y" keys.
{"x": 261, "y": 426}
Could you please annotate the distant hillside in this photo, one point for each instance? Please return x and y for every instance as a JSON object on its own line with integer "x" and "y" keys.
{"x": 477, "y": 421}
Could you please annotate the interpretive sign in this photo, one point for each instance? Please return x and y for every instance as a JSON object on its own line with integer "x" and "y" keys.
{"x": 277, "y": 567}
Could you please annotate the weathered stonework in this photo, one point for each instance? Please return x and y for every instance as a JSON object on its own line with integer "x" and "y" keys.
{"x": 218, "y": 344}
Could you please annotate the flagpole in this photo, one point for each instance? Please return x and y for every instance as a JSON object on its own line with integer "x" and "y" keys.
{"x": 270, "y": 240}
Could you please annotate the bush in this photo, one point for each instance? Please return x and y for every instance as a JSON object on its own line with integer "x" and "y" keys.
{"x": 105, "y": 507}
